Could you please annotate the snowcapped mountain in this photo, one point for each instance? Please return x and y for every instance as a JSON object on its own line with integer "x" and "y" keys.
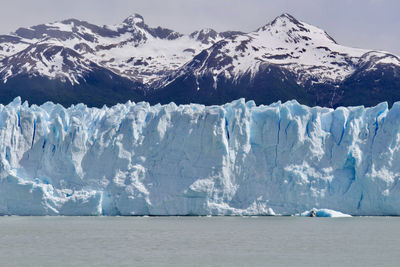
{"x": 131, "y": 49}
{"x": 48, "y": 58}
{"x": 301, "y": 48}
{"x": 285, "y": 59}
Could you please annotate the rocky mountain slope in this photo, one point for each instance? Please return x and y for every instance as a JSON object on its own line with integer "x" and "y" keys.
{"x": 74, "y": 61}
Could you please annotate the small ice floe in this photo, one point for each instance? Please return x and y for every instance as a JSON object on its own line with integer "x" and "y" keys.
{"x": 323, "y": 213}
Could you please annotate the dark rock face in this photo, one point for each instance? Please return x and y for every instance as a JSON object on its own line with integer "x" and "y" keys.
{"x": 366, "y": 88}
{"x": 370, "y": 87}
{"x": 205, "y": 36}
{"x": 97, "y": 88}
{"x": 63, "y": 62}
{"x": 266, "y": 87}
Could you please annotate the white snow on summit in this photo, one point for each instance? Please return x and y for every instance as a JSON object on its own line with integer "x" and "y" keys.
{"x": 152, "y": 56}
{"x": 131, "y": 49}
{"x": 299, "y": 47}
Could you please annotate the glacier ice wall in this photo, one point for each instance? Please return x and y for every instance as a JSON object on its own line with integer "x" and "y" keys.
{"x": 137, "y": 159}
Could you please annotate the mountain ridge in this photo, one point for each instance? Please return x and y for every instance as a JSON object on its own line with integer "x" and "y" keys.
{"x": 282, "y": 60}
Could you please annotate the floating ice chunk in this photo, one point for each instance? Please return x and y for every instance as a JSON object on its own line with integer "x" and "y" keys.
{"x": 324, "y": 213}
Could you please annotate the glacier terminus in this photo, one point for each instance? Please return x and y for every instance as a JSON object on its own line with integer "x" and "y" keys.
{"x": 233, "y": 159}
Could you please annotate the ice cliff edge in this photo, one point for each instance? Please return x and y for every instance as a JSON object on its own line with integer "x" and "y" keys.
{"x": 239, "y": 158}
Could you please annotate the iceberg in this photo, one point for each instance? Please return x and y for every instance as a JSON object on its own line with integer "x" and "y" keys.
{"x": 324, "y": 213}
{"x": 235, "y": 159}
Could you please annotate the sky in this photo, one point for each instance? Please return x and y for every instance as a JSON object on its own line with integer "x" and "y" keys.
{"x": 371, "y": 24}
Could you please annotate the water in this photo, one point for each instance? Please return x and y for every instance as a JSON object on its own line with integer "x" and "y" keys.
{"x": 199, "y": 241}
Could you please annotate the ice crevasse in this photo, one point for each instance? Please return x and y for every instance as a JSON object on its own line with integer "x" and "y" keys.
{"x": 235, "y": 159}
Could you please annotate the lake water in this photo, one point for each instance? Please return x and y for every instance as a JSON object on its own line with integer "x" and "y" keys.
{"x": 199, "y": 241}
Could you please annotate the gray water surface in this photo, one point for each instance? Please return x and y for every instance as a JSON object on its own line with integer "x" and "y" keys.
{"x": 199, "y": 241}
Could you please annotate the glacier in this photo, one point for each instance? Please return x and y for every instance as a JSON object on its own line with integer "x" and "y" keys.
{"x": 235, "y": 159}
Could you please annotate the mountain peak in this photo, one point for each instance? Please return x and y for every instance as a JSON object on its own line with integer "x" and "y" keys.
{"x": 292, "y": 30}
{"x": 284, "y": 19}
{"x": 287, "y": 15}
{"x": 204, "y": 35}
{"x": 134, "y": 19}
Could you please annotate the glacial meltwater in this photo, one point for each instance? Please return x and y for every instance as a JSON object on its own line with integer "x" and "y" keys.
{"x": 199, "y": 241}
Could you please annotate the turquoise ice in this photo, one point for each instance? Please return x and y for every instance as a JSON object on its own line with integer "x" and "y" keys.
{"x": 235, "y": 159}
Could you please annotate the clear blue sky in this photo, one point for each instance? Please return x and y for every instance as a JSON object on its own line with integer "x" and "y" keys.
{"x": 373, "y": 24}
